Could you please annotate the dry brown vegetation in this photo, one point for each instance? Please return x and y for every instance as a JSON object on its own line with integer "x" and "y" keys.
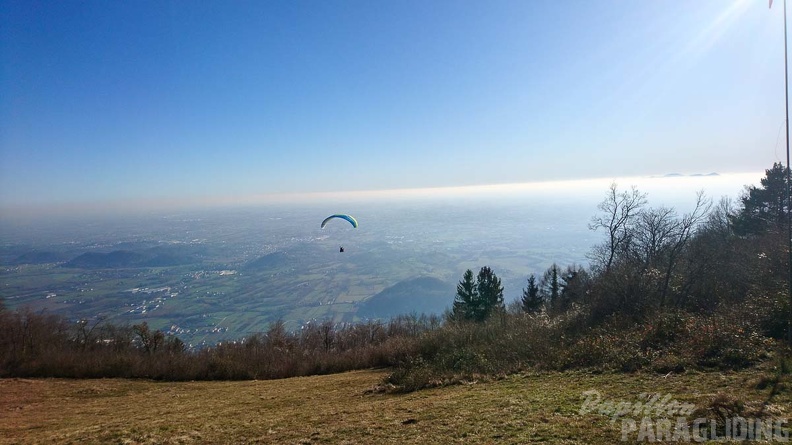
{"x": 341, "y": 408}
{"x": 40, "y": 345}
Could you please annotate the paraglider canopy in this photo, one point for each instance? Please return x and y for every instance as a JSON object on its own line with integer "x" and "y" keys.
{"x": 349, "y": 218}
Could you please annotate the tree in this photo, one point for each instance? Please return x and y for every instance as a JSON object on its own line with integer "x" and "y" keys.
{"x": 660, "y": 237}
{"x": 531, "y": 300}
{"x": 328, "y": 335}
{"x": 477, "y": 299}
{"x": 151, "y": 341}
{"x": 682, "y": 232}
{"x": 717, "y": 261}
{"x": 549, "y": 286}
{"x": 490, "y": 292}
{"x": 652, "y": 233}
{"x": 619, "y": 211}
{"x": 175, "y": 346}
{"x": 278, "y": 337}
{"x": 764, "y": 207}
{"x": 465, "y": 303}
{"x": 85, "y": 333}
{"x": 574, "y": 285}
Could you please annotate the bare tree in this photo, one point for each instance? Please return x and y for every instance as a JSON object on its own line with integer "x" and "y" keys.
{"x": 682, "y": 232}
{"x": 151, "y": 340}
{"x": 85, "y": 331}
{"x": 619, "y": 210}
{"x": 328, "y": 335}
{"x": 654, "y": 230}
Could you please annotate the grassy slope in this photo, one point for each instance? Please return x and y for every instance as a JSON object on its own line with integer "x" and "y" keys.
{"x": 338, "y": 409}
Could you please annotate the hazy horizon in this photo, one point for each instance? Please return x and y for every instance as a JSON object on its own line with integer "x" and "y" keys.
{"x": 657, "y": 186}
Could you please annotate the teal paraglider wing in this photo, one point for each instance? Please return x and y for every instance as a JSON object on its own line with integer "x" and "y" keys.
{"x": 349, "y": 218}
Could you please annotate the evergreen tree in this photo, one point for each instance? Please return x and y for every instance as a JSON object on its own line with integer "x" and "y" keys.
{"x": 550, "y": 288}
{"x": 531, "y": 301}
{"x": 490, "y": 292}
{"x": 574, "y": 282}
{"x": 764, "y": 207}
{"x": 478, "y": 299}
{"x": 466, "y": 301}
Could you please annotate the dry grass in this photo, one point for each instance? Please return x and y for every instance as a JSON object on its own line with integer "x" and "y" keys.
{"x": 339, "y": 408}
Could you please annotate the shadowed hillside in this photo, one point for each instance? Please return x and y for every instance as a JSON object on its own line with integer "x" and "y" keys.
{"x": 425, "y": 295}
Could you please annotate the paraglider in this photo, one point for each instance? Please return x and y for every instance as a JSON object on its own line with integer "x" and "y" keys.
{"x": 349, "y": 218}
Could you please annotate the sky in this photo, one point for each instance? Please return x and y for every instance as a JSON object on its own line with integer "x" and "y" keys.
{"x": 184, "y": 101}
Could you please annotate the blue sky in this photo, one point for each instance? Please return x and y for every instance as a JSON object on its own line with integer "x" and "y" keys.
{"x": 145, "y": 101}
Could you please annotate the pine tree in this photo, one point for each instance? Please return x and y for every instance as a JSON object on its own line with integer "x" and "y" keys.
{"x": 478, "y": 299}
{"x": 764, "y": 207}
{"x": 574, "y": 282}
{"x": 549, "y": 287}
{"x": 531, "y": 301}
{"x": 466, "y": 298}
{"x": 490, "y": 292}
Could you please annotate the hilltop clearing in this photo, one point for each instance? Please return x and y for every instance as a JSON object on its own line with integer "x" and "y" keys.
{"x": 342, "y": 408}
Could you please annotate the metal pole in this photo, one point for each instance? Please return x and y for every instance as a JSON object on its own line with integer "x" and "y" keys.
{"x": 789, "y": 180}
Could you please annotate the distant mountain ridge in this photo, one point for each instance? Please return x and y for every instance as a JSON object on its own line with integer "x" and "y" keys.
{"x": 96, "y": 260}
{"x": 36, "y": 257}
{"x": 125, "y": 258}
{"x": 425, "y": 295}
{"x": 680, "y": 175}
